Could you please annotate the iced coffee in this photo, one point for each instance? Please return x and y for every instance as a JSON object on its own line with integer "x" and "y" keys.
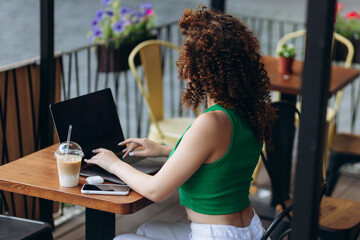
{"x": 68, "y": 157}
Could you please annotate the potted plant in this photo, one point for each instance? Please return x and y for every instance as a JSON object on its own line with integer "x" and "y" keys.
{"x": 347, "y": 25}
{"x": 286, "y": 55}
{"x": 118, "y": 30}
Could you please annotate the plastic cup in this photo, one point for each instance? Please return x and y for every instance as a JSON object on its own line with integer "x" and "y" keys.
{"x": 68, "y": 158}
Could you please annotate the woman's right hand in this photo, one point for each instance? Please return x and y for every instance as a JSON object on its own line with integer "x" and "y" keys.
{"x": 147, "y": 148}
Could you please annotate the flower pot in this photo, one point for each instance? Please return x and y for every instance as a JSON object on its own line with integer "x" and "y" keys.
{"x": 111, "y": 59}
{"x": 340, "y": 51}
{"x": 285, "y": 65}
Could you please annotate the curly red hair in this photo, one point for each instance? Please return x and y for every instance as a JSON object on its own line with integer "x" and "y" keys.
{"x": 221, "y": 57}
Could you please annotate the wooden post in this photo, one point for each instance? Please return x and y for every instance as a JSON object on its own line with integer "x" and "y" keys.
{"x": 47, "y": 89}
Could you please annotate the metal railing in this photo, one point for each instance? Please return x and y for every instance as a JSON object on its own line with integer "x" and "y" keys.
{"x": 80, "y": 75}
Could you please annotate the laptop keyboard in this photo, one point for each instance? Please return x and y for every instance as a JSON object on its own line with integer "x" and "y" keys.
{"x": 95, "y": 168}
{"x": 129, "y": 159}
{"x": 132, "y": 159}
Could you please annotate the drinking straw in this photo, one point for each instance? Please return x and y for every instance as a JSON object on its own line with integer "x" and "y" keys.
{"x": 68, "y": 139}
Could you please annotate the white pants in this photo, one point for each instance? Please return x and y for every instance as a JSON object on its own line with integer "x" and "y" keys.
{"x": 176, "y": 231}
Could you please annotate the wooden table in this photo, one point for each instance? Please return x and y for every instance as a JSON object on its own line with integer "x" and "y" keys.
{"x": 291, "y": 84}
{"x": 290, "y": 87}
{"x": 36, "y": 175}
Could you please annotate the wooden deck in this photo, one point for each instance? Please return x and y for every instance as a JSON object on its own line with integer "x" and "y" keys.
{"x": 171, "y": 210}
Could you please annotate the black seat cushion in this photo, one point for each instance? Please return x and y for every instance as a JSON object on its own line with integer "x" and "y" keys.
{"x": 20, "y": 228}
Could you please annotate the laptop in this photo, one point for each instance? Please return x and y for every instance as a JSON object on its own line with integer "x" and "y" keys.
{"x": 95, "y": 124}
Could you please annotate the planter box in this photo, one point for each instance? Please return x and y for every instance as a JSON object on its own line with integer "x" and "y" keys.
{"x": 285, "y": 65}
{"x": 111, "y": 59}
{"x": 340, "y": 51}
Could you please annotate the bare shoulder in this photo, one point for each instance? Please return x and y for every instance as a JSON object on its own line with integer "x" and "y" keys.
{"x": 211, "y": 133}
{"x": 217, "y": 117}
{"x": 213, "y": 123}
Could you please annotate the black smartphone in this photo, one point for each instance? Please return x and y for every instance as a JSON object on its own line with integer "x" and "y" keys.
{"x": 107, "y": 189}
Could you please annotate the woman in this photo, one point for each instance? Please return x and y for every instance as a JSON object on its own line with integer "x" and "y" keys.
{"x": 213, "y": 162}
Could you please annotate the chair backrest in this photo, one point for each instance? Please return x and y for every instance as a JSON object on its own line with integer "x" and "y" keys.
{"x": 337, "y": 37}
{"x": 275, "y": 160}
{"x": 280, "y": 227}
{"x": 152, "y": 89}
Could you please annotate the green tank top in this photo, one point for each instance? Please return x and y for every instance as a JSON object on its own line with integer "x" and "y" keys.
{"x": 222, "y": 187}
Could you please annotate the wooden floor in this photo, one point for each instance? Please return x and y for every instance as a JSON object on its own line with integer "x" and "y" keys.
{"x": 171, "y": 210}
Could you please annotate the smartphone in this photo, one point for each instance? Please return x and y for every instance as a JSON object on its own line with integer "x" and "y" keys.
{"x": 108, "y": 189}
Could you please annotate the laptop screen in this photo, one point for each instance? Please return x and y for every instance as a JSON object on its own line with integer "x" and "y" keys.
{"x": 94, "y": 120}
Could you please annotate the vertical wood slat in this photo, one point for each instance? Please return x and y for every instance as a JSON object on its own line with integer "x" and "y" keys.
{"x": 3, "y": 101}
{"x": 17, "y": 100}
{"x": 19, "y": 105}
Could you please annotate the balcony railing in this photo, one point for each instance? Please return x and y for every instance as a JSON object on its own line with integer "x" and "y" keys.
{"x": 80, "y": 76}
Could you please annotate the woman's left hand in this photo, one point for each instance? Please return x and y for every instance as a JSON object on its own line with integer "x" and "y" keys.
{"x": 104, "y": 158}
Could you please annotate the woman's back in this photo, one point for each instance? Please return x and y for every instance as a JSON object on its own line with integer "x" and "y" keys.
{"x": 222, "y": 186}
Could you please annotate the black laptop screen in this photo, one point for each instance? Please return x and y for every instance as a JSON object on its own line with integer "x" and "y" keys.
{"x": 94, "y": 121}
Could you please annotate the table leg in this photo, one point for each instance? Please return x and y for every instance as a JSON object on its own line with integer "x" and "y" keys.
{"x": 99, "y": 224}
{"x": 46, "y": 211}
{"x": 286, "y": 164}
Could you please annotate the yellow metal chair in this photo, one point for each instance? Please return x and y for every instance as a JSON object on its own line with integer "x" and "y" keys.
{"x": 331, "y": 110}
{"x": 164, "y": 131}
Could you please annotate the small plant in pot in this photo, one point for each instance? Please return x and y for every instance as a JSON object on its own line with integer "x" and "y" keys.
{"x": 286, "y": 55}
{"x": 118, "y": 30}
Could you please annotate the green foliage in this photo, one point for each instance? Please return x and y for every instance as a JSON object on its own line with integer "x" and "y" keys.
{"x": 347, "y": 25}
{"x": 287, "y": 51}
{"x": 349, "y": 28}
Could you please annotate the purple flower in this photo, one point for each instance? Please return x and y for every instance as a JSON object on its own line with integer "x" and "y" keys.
{"x": 146, "y": 6}
{"x": 109, "y": 13}
{"x": 99, "y": 15}
{"x": 97, "y": 32}
{"x": 124, "y": 11}
{"x": 135, "y": 16}
{"x": 94, "y": 22}
{"x": 91, "y": 38}
{"x": 106, "y": 2}
{"x": 119, "y": 26}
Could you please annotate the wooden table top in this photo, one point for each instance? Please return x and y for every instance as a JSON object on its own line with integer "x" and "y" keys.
{"x": 340, "y": 77}
{"x": 36, "y": 175}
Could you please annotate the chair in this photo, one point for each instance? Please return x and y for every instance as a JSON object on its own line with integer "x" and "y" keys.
{"x": 339, "y": 219}
{"x": 329, "y": 209}
{"x": 345, "y": 149}
{"x": 280, "y": 227}
{"x": 162, "y": 130}
{"x": 20, "y": 228}
{"x": 331, "y": 110}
